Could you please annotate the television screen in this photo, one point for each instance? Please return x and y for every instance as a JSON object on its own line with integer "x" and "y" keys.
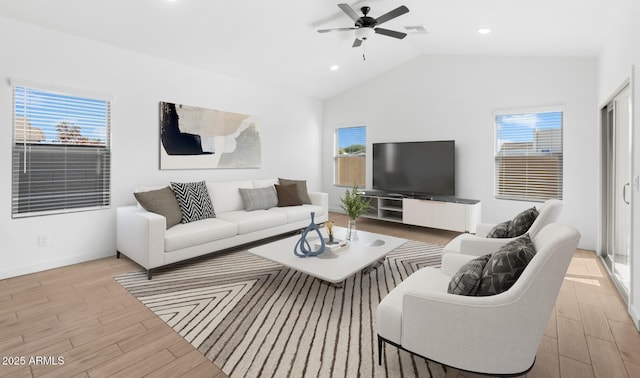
{"x": 415, "y": 168}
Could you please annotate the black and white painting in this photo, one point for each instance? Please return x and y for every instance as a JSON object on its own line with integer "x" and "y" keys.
{"x": 198, "y": 138}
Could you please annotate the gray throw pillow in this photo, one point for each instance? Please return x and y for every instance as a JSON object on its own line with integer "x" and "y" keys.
{"x": 163, "y": 202}
{"x": 467, "y": 280}
{"x": 522, "y": 222}
{"x": 288, "y": 195}
{"x": 301, "y": 186}
{"x": 506, "y": 265}
{"x": 194, "y": 201}
{"x": 500, "y": 230}
{"x": 259, "y": 198}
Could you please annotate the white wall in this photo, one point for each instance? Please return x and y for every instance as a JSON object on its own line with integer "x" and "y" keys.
{"x": 290, "y": 126}
{"x": 621, "y": 57}
{"x": 454, "y": 97}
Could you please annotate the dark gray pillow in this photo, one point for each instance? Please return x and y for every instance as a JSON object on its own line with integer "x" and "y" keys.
{"x": 500, "y": 230}
{"x": 522, "y": 222}
{"x": 288, "y": 195}
{"x": 194, "y": 201}
{"x": 506, "y": 265}
{"x": 163, "y": 202}
{"x": 301, "y": 186}
{"x": 467, "y": 280}
{"x": 259, "y": 198}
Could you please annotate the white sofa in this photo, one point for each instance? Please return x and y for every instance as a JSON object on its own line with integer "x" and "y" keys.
{"x": 142, "y": 235}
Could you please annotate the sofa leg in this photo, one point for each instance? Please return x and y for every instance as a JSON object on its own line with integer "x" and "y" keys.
{"x": 117, "y": 254}
{"x": 148, "y": 274}
{"x": 379, "y": 350}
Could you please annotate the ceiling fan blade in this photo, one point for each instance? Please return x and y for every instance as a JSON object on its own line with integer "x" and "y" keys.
{"x": 337, "y": 15}
{"x": 334, "y": 29}
{"x": 357, "y": 42}
{"x": 346, "y": 8}
{"x": 399, "y": 11}
{"x": 390, "y": 33}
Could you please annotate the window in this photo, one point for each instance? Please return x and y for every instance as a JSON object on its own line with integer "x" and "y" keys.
{"x": 528, "y": 159}
{"x": 61, "y": 152}
{"x": 350, "y": 156}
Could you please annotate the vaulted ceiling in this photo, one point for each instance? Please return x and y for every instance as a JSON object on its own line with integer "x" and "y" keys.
{"x": 275, "y": 43}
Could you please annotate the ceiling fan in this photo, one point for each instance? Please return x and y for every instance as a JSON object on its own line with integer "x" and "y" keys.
{"x": 365, "y": 26}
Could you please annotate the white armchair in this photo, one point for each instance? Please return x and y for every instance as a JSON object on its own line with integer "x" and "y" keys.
{"x": 497, "y": 334}
{"x": 479, "y": 244}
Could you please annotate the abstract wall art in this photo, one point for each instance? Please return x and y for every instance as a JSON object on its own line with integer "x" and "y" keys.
{"x": 198, "y": 138}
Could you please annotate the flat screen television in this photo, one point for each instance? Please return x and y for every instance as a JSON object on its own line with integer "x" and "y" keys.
{"x": 415, "y": 168}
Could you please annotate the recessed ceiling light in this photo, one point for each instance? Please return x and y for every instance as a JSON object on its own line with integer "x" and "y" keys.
{"x": 335, "y": 67}
{"x": 484, "y": 31}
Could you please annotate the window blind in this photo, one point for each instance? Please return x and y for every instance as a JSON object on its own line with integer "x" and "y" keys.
{"x": 528, "y": 157}
{"x": 61, "y": 152}
{"x": 350, "y": 156}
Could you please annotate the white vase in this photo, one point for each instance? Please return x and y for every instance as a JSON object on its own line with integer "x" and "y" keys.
{"x": 352, "y": 233}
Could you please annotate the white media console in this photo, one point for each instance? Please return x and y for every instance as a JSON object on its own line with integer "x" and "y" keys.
{"x": 446, "y": 213}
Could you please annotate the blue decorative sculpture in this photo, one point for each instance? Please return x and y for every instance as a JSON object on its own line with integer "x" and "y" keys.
{"x": 303, "y": 248}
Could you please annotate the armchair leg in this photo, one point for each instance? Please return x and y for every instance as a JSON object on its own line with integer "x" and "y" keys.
{"x": 379, "y": 350}
{"x": 117, "y": 254}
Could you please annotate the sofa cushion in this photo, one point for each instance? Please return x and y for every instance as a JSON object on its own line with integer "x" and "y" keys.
{"x": 500, "y": 230}
{"x": 298, "y": 213}
{"x": 301, "y": 186}
{"x": 506, "y": 265}
{"x": 467, "y": 280}
{"x": 389, "y": 312}
{"x": 226, "y": 196}
{"x": 259, "y": 198}
{"x": 197, "y": 233}
{"x": 522, "y": 222}
{"x": 255, "y": 220}
{"x": 163, "y": 202}
{"x": 288, "y": 195}
{"x": 194, "y": 201}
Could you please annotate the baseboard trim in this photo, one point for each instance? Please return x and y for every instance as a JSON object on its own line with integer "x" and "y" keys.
{"x": 52, "y": 264}
{"x": 633, "y": 312}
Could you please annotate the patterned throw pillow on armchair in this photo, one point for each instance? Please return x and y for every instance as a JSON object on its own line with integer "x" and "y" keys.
{"x": 519, "y": 225}
{"x": 500, "y": 230}
{"x": 522, "y": 222}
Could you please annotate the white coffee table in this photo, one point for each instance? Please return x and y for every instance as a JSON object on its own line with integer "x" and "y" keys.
{"x": 333, "y": 267}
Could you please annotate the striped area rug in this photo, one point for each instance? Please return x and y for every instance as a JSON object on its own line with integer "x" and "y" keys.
{"x": 254, "y": 318}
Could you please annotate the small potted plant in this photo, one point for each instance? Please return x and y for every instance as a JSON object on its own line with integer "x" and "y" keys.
{"x": 354, "y": 204}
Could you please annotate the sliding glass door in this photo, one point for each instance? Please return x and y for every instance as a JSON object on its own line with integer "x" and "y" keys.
{"x": 617, "y": 190}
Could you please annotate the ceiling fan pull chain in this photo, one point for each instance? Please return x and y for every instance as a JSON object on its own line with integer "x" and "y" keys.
{"x": 363, "y": 53}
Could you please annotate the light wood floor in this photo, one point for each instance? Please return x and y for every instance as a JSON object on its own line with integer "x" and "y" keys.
{"x": 79, "y": 313}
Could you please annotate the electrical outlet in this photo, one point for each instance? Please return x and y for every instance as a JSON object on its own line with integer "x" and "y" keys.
{"x": 43, "y": 240}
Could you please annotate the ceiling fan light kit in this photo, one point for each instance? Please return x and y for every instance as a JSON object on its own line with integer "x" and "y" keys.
{"x": 366, "y": 26}
{"x": 364, "y": 33}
